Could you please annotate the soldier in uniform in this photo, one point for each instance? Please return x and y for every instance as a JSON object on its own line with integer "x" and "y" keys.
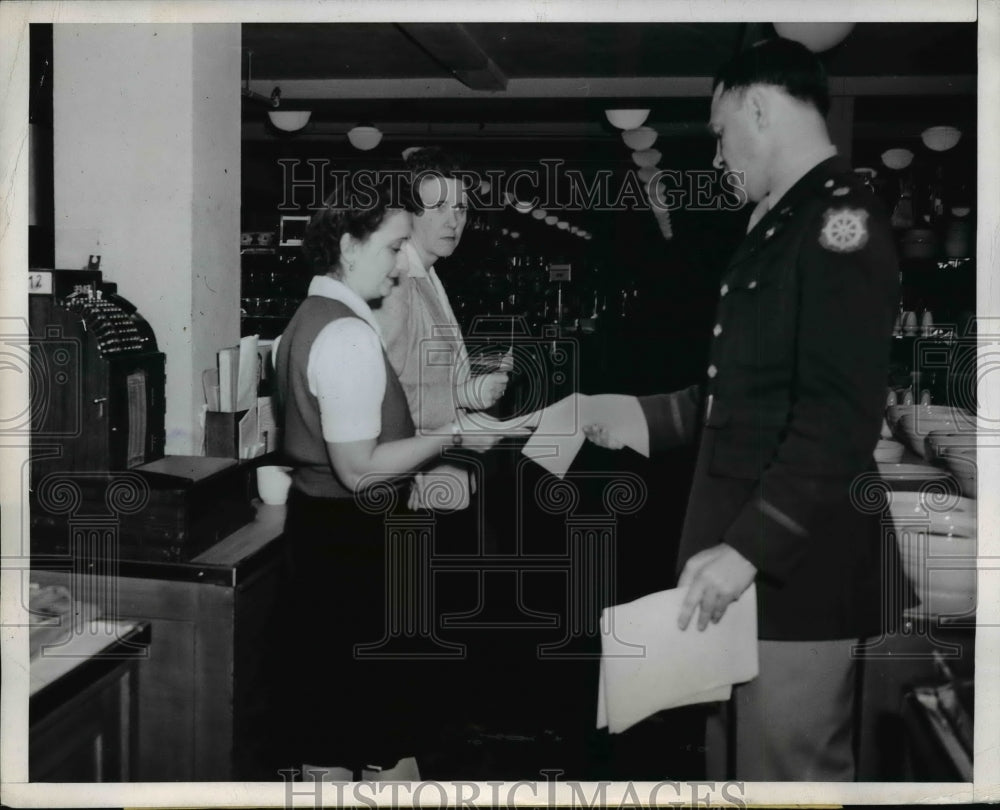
{"x": 788, "y": 418}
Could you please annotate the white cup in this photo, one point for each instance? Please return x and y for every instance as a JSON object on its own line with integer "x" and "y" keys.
{"x": 273, "y": 483}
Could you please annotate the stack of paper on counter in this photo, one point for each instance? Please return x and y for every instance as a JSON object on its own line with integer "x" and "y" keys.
{"x": 559, "y": 435}
{"x": 648, "y": 664}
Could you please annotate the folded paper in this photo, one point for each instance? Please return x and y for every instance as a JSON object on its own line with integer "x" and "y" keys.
{"x": 648, "y": 664}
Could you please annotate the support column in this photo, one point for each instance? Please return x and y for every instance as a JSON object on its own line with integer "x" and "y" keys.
{"x": 147, "y": 175}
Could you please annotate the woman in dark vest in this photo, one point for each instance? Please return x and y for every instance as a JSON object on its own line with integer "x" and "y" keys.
{"x": 348, "y": 434}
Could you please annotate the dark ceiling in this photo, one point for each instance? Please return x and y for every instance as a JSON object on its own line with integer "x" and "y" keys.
{"x": 510, "y": 94}
{"x": 525, "y": 50}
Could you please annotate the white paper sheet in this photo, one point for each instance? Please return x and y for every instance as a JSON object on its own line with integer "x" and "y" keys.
{"x": 249, "y": 373}
{"x": 648, "y": 664}
{"x": 623, "y": 417}
{"x": 559, "y": 435}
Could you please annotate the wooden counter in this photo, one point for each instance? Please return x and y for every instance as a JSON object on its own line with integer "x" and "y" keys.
{"x": 82, "y": 713}
{"x": 211, "y": 618}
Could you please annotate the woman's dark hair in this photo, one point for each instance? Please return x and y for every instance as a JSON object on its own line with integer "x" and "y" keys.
{"x": 357, "y": 206}
{"x": 433, "y": 160}
{"x": 781, "y": 63}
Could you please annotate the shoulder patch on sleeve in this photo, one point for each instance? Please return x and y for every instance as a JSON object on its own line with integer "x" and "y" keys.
{"x": 844, "y": 229}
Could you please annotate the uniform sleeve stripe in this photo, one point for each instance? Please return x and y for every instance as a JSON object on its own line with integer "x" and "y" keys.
{"x": 675, "y": 412}
{"x": 781, "y": 518}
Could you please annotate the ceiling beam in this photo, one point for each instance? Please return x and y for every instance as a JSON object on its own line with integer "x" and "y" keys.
{"x": 610, "y": 87}
{"x": 458, "y": 52}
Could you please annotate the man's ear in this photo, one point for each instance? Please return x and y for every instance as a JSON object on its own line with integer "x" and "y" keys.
{"x": 758, "y": 106}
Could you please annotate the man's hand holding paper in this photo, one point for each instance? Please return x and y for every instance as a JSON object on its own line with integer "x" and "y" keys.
{"x": 566, "y": 424}
{"x": 714, "y": 578}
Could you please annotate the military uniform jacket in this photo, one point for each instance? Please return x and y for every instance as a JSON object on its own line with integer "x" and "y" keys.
{"x": 791, "y": 409}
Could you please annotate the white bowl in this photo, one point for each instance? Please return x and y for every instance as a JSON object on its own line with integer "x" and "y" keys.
{"x": 888, "y": 451}
{"x": 946, "y": 603}
{"x": 961, "y": 463}
{"x": 939, "y": 442}
{"x": 942, "y": 570}
{"x": 920, "y": 511}
{"x": 922, "y": 420}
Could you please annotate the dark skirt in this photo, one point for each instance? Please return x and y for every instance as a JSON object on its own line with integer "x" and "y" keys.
{"x": 348, "y": 702}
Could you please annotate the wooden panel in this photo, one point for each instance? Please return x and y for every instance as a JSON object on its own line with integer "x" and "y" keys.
{"x": 258, "y": 662}
{"x": 204, "y": 710}
{"x": 82, "y": 740}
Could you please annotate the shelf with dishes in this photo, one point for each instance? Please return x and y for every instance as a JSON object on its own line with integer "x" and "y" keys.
{"x": 927, "y": 458}
{"x": 274, "y": 280}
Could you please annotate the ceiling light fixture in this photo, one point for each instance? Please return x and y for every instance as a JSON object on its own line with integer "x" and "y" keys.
{"x": 285, "y": 120}
{"x": 538, "y": 213}
{"x": 897, "y": 158}
{"x": 289, "y": 120}
{"x": 562, "y": 225}
{"x": 816, "y": 36}
{"x": 639, "y": 138}
{"x": 626, "y": 119}
{"x": 551, "y": 219}
{"x": 364, "y": 137}
{"x": 940, "y": 139}
{"x": 646, "y": 157}
{"x": 647, "y": 173}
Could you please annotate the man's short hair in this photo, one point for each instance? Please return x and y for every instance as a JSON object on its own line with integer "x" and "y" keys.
{"x": 781, "y": 63}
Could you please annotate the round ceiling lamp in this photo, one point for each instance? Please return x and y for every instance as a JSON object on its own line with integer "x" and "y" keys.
{"x": 626, "y": 119}
{"x": 289, "y": 120}
{"x": 574, "y": 230}
{"x": 364, "y": 137}
{"x": 646, "y": 157}
{"x": 551, "y": 219}
{"x": 562, "y": 225}
{"x": 816, "y": 36}
{"x": 897, "y": 158}
{"x": 646, "y": 173}
{"x": 517, "y": 205}
{"x": 639, "y": 138}
{"x": 515, "y": 234}
{"x": 940, "y": 139}
{"x": 538, "y": 213}
{"x": 485, "y": 186}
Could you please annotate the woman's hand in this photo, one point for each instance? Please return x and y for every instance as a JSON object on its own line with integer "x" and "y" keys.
{"x": 601, "y": 436}
{"x": 480, "y": 432}
{"x": 482, "y": 392}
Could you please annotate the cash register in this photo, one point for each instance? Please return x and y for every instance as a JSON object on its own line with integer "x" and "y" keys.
{"x": 97, "y": 403}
